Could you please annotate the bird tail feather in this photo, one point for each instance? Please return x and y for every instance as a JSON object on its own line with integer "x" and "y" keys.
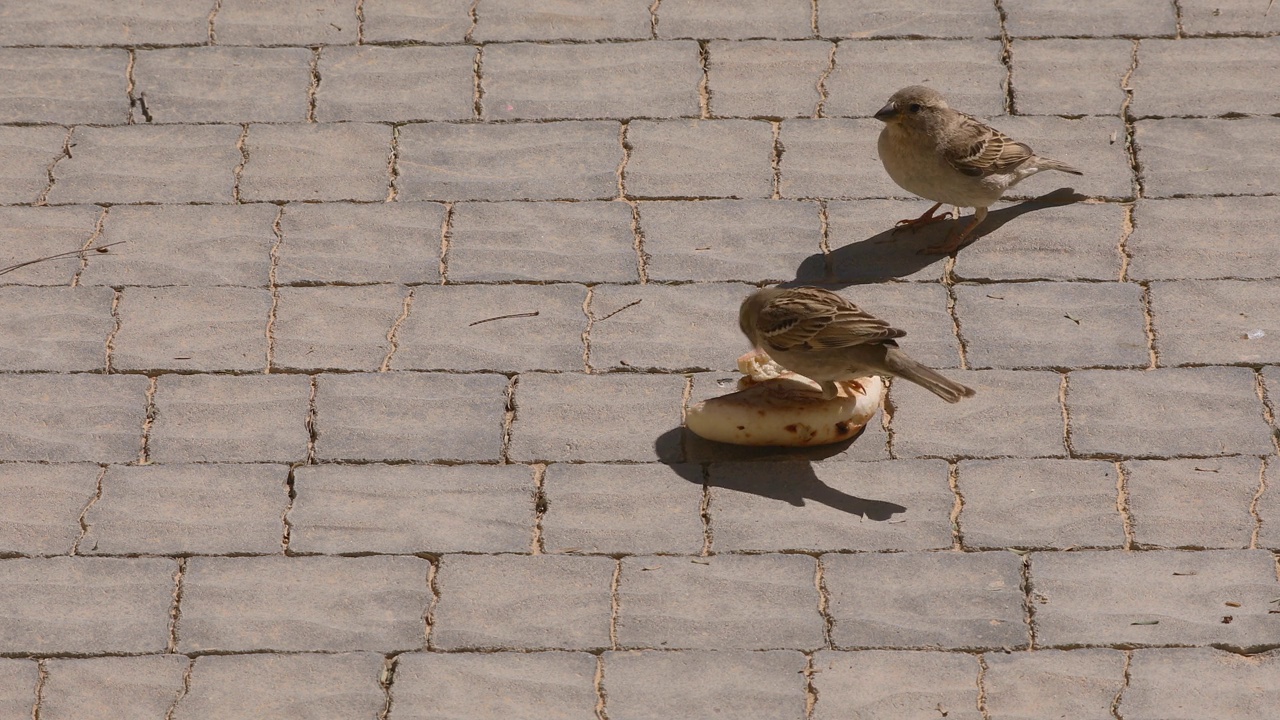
{"x": 1045, "y": 163}
{"x": 926, "y": 377}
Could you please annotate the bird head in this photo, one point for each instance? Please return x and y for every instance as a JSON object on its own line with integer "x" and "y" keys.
{"x": 750, "y": 312}
{"x": 913, "y": 106}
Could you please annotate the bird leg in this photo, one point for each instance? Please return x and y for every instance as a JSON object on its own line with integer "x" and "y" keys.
{"x": 927, "y": 218}
{"x": 958, "y": 238}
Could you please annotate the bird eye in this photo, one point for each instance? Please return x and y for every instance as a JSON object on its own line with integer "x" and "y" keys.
{"x": 914, "y": 107}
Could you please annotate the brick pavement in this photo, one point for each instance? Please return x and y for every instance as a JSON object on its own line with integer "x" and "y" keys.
{"x": 261, "y": 461}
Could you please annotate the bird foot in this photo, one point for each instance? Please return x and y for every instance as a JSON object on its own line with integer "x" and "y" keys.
{"x": 913, "y": 224}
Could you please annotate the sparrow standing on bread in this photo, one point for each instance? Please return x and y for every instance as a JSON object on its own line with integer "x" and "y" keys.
{"x": 951, "y": 158}
{"x": 820, "y": 335}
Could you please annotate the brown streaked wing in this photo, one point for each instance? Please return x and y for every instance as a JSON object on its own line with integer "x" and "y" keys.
{"x": 977, "y": 149}
{"x": 821, "y": 319}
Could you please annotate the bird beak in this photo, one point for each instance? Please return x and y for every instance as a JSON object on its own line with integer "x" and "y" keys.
{"x": 887, "y": 113}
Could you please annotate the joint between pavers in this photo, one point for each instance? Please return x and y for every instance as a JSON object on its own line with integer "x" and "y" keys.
{"x": 886, "y": 419}
{"x": 704, "y": 85}
{"x": 474, "y": 14}
{"x": 84, "y": 513}
{"x": 824, "y": 604}
{"x": 1148, "y": 320}
{"x": 615, "y": 603}
{"x": 775, "y": 159}
{"x": 359, "y": 22}
{"x": 182, "y": 689}
{"x": 446, "y": 237}
{"x": 213, "y": 14}
{"x": 88, "y": 245}
{"x": 957, "y": 505}
{"x": 393, "y": 165}
{"x": 393, "y": 340}
{"x": 1115, "y": 702}
{"x": 1130, "y": 129}
{"x": 586, "y": 333}
{"x": 274, "y": 287}
{"x": 982, "y": 687}
{"x": 1006, "y": 58}
{"x": 175, "y": 611}
{"x": 625, "y": 125}
{"x": 291, "y": 494}
{"x": 1254, "y": 504}
{"x": 1123, "y": 506}
{"x": 637, "y": 240}
{"x": 948, "y": 282}
{"x": 314, "y": 87}
{"x": 538, "y": 546}
{"x": 810, "y": 673}
{"x": 244, "y": 160}
{"x": 309, "y": 423}
{"x": 42, "y": 676}
{"x": 819, "y": 110}
{"x": 704, "y": 512}
{"x": 149, "y": 419}
{"x": 653, "y": 19}
{"x": 813, "y": 19}
{"x": 43, "y": 197}
{"x": 509, "y": 417}
{"x": 477, "y": 68}
{"x": 386, "y": 679}
{"x": 602, "y": 699}
{"x": 1028, "y": 601}
{"x": 429, "y": 615}
{"x": 115, "y": 329}
{"x": 1177, "y": 18}
{"x": 1064, "y": 387}
{"x": 1126, "y": 231}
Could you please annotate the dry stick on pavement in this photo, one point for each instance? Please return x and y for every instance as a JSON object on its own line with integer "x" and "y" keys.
{"x": 70, "y": 253}
{"x": 505, "y": 317}
{"x": 624, "y": 307}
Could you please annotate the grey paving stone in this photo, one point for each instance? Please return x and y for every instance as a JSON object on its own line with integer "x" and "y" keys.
{"x": 175, "y": 163}
{"x": 889, "y": 685}
{"x": 864, "y": 248}
{"x": 1201, "y": 682}
{"x": 766, "y": 78}
{"x": 1039, "y": 503}
{"x": 1052, "y": 324}
{"x": 1184, "y": 592}
{"x": 1071, "y": 77}
{"x": 411, "y": 509}
{"x": 893, "y": 600}
{"x": 43, "y": 506}
{"x": 288, "y": 22}
{"x": 674, "y": 158}
{"x": 223, "y": 84}
{"x": 346, "y": 243}
{"x": 1233, "y": 17}
{"x": 540, "y": 81}
{"x": 833, "y": 158}
{"x": 535, "y": 161}
{"x": 735, "y": 19}
{"x": 61, "y": 418}
{"x": 554, "y": 241}
{"x": 1193, "y": 503}
{"x": 513, "y": 685}
{"x": 1014, "y": 414}
{"x": 1233, "y": 72}
{"x": 84, "y": 22}
{"x": 1166, "y": 412}
{"x": 331, "y": 161}
{"x": 68, "y": 605}
{"x": 185, "y": 245}
{"x": 424, "y": 417}
{"x": 27, "y": 233}
{"x": 1207, "y": 156}
{"x": 335, "y": 327}
{"x": 57, "y": 85}
{"x": 188, "y": 509}
{"x": 1211, "y": 321}
{"x": 914, "y": 18}
{"x": 1085, "y": 143}
{"x": 1054, "y": 683}
{"x": 698, "y": 684}
{"x": 424, "y": 21}
{"x": 1204, "y": 238}
{"x": 303, "y": 603}
{"x": 54, "y": 328}
{"x": 969, "y": 73}
{"x": 323, "y": 687}
{"x": 522, "y": 601}
{"x": 1127, "y": 18}
{"x": 371, "y": 84}
{"x": 622, "y": 509}
{"x": 1072, "y": 242}
{"x": 26, "y": 153}
{"x": 225, "y": 418}
{"x": 563, "y": 19}
{"x": 18, "y": 680}
{"x": 574, "y": 417}
{"x": 438, "y": 334}
{"x": 115, "y": 687}
{"x": 192, "y": 328}
{"x": 673, "y": 327}
{"x": 1268, "y": 508}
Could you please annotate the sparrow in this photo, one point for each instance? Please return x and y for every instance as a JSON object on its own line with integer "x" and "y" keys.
{"x": 951, "y": 158}
{"x": 820, "y": 335}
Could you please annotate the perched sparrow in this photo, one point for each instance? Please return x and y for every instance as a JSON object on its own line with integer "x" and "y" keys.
{"x": 818, "y": 334}
{"x": 946, "y": 156}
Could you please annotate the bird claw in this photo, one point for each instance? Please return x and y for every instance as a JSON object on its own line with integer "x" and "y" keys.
{"x": 913, "y": 224}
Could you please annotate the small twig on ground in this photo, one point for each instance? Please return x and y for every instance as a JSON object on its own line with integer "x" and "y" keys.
{"x": 71, "y": 253}
{"x": 505, "y": 317}
{"x": 624, "y": 307}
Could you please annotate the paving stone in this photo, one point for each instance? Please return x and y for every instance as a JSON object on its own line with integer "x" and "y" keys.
{"x": 735, "y": 19}
{"x": 1052, "y": 242}
{"x": 833, "y": 158}
{"x": 1207, "y": 156}
{"x": 522, "y": 601}
{"x": 18, "y": 680}
{"x": 574, "y": 417}
{"x": 346, "y": 243}
{"x": 27, "y": 233}
{"x": 64, "y": 418}
{"x": 303, "y": 603}
{"x": 889, "y": 684}
{"x": 540, "y": 81}
{"x": 766, "y": 78}
{"x": 563, "y": 19}
{"x": 867, "y": 72}
{"x": 323, "y": 687}
{"x": 1143, "y": 413}
{"x": 892, "y": 600}
{"x": 64, "y": 86}
{"x": 332, "y": 161}
{"x": 420, "y": 417}
{"x": 920, "y": 310}
{"x": 84, "y": 22}
{"x": 226, "y": 418}
{"x": 51, "y": 328}
{"x": 285, "y": 22}
{"x": 174, "y": 163}
{"x": 26, "y": 153}
{"x": 1210, "y": 321}
{"x": 223, "y": 84}
{"x": 1183, "y": 592}
{"x": 1204, "y": 238}
{"x": 197, "y": 245}
{"x": 188, "y": 509}
{"x": 43, "y": 506}
{"x": 555, "y": 241}
{"x": 115, "y": 687}
{"x": 1085, "y": 143}
{"x": 1127, "y": 18}
{"x": 335, "y": 327}
{"x": 1052, "y": 324}
{"x": 1234, "y": 72}
{"x": 534, "y": 161}
{"x": 622, "y": 509}
{"x": 1070, "y": 77}
{"x": 914, "y": 18}
{"x": 1039, "y": 503}
{"x": 674, "y": 327}
{"x": 726, "y": 602}
{"x": 671, "y": 158}
{"x": 1268, "y": 508}
{"x": 513, "y": 685}
{"x": 698, "y": 684}
{"x": 371, "y": 84}
{"x": 1201, "y": 682}
{"x": 1234, "y": 17}
{"x": 1054, "y": 683}
{"x": 1015, "y": 413}
{"x": 411, "y": 509}
{"x": 439, "y": 333}
{"x": 68, "y": 605}
{"x": 865, "y": 249}
{"x": 1193, "y": 503}
{"x": 192, "y": 328}
{"x": 429, "y": 21}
